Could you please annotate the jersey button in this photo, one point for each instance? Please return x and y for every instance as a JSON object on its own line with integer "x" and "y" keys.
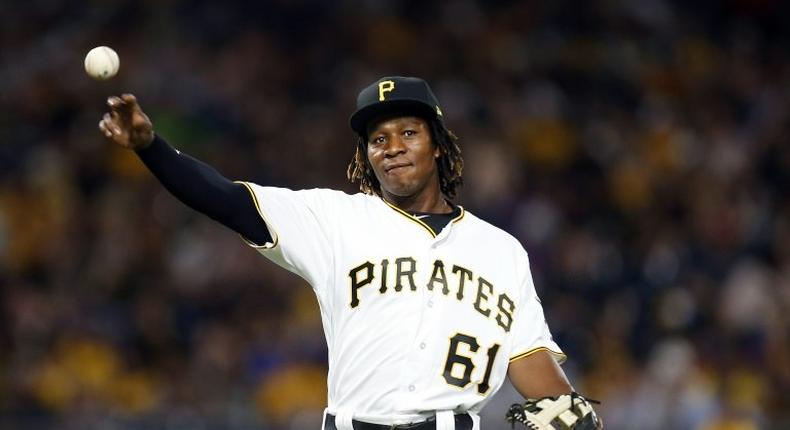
{"x": 422, "y": 345}
{"x": 411, "y": 387}
{"x": 430, "y": 303}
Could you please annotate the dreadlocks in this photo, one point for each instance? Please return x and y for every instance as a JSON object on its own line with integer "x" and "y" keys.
{"x": 450, "y": 162}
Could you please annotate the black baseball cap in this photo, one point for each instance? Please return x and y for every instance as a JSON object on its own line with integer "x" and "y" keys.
{"x": 394, "y": 95}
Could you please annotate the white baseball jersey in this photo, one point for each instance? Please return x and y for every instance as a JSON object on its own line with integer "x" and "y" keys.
{"x": 416, "y": 322}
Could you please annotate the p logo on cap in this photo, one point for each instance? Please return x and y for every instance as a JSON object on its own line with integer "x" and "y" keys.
{"x": 385, "y": 87}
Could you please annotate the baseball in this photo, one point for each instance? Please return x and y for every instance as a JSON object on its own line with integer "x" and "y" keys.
{"x": 102, "y": 63}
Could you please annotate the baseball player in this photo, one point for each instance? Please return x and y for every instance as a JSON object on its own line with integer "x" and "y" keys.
{"x": 425, "y": 307}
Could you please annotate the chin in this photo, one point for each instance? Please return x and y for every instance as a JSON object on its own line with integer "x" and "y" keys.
{"x": 400, "y": 190}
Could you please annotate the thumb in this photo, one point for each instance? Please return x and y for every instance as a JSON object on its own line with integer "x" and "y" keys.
{"x": 132, "y": 108}
{"x": 129, "y": 103}
{"x": 129, "y": 98}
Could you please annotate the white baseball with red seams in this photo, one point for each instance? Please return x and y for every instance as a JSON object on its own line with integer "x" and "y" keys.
{"x": 417, "y": 322}
{"x": 102, "y": 63}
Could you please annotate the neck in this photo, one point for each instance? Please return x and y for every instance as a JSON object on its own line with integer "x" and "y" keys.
{"x": 433, "y": 203}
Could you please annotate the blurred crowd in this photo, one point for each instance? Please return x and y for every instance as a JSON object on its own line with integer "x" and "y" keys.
{"x": 639, "y": 149}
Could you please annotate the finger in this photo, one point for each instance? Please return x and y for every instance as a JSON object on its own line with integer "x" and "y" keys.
{"x": 129, "y": 98}
{"x": 120, "y": 104}
{"x": 114, "y": 102}
{"x": 130, "y": 102}
{"x": 103, "y": 127}
{"x": 111, "y": 124}
{"x": 119, "y": 119}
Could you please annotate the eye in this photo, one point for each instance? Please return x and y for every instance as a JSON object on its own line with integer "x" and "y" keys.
{"x": 409, "y": 132}
{"x": 377, "y": 140}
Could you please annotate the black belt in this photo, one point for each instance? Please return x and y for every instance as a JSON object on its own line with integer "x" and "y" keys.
{"x": 462, "y": 422}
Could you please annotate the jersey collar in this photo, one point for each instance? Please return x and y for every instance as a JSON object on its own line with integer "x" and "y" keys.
{"x": 420, "y": 222}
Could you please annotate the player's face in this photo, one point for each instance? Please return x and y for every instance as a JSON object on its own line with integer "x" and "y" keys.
{"x": 403, "y": 156}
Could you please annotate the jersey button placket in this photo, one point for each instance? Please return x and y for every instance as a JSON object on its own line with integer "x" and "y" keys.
{"x": 422, "y": 369}
{"x": 419, "y": 372}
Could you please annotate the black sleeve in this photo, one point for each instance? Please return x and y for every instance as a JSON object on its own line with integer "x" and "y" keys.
{"x": 205, "y": 190}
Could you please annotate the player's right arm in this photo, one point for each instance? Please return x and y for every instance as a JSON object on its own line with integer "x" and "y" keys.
{"x": 195, "y": 183}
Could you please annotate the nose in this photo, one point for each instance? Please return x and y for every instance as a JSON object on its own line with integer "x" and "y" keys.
{"x": 394, "y": 147}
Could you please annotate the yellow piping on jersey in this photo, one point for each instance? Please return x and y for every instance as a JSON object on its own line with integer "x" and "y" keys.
{"x": 275, "y": 236}
{"x": 460, "y": 216}
{"x": 418, "y": 221}
{"x": 558, "y": 355}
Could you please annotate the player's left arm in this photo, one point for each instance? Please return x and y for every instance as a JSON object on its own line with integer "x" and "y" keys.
{"x": 549, "y": 396}
{"x": 538, "y": 375}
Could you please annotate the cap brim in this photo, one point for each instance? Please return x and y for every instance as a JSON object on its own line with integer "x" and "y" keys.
{"x": 359, "y": 120}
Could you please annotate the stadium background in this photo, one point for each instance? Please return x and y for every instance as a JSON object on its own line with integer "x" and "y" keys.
{"x": 638, "y": 149}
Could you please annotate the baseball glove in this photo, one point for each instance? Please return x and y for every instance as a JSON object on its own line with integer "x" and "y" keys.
{"x": 565, "y": 412}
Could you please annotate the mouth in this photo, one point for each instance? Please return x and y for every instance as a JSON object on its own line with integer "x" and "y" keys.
{"x": 396, "y": 166}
